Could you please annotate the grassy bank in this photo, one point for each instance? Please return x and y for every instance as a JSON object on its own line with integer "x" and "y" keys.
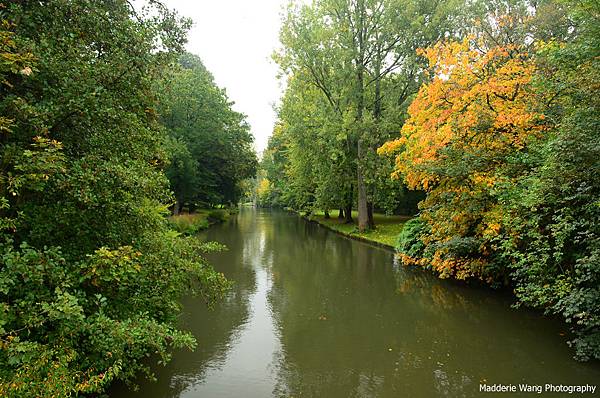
{"x": 190, "y": 223}
{"x": 385, "y": 233}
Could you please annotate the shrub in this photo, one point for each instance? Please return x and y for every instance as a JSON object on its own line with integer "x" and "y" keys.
{"x": 217, "y": 216}
{"x": 409, "y": 240}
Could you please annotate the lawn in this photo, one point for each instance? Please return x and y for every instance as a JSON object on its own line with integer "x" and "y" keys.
{"x": 386, "y": 229}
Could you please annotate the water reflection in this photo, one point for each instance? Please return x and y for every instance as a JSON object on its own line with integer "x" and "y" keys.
{"x": 314, "y": 314}
{"x": 248, "y": 360}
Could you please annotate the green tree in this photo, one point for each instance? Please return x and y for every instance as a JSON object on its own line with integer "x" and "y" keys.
{"x": 272, "y": 169}
{"x": 90, "y": 273}
{"x": 212, "y": 145}
{"x": 361, "y": 56}
{"x": 552, "y": 241}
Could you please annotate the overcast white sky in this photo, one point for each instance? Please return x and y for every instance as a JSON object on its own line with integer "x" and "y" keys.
{"x": 235, "y": 39}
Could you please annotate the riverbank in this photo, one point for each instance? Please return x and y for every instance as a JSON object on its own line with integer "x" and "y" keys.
{"x": 191, "y": 223}
{"x": 385, "y": 233}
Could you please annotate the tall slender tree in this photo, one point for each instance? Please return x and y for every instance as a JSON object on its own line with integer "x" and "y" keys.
{"x": 350, "y": 50}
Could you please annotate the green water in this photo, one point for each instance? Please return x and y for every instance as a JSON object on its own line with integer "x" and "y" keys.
{"x": 313, "y": 314}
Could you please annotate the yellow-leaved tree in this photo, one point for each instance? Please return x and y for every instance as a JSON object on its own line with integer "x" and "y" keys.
{"x": 464, "y": 126}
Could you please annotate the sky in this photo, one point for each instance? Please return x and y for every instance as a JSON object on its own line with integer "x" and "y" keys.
{"x": 235, "y": 40}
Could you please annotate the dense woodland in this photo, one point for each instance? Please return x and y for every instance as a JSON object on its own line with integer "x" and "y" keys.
{"x": 488, "y": 109}
{"x": 106, "y": 125}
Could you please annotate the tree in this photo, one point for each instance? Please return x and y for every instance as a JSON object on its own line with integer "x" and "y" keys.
{"x": 272, "y": 169}
{"x": 360, "y": 56}
{"x": 552, "y": 212}
{"x": 477, "y": 111}
{"x": 90, "y": 273}
{"x": 212, "y": 144}
{"x": 504, "y": 140}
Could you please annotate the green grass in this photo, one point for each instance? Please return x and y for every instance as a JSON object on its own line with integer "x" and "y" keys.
{"x": 386, "y": 229}
{"x": 189, "y": 224}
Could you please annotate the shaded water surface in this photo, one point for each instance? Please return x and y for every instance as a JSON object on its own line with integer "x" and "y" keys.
{"x": 313, "y": 314}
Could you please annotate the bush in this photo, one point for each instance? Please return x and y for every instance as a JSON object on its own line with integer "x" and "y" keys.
{"x": 409, "y": 240}
{"x": 217, "y": 216}
{"x": 460, "y": 247}
{"x": 71, "y": 328}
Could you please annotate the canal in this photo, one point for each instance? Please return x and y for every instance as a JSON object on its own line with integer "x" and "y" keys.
{"x": 313, "y": 314}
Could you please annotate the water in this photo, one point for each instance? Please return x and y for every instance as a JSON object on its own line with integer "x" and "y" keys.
{"x": 313, "y": 314}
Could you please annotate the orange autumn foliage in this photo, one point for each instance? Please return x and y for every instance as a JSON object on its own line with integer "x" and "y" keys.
{"x": 476, "y": 100}
{"x": 477, "y": 109}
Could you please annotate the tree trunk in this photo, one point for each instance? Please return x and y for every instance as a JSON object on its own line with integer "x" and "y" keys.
{"x": 348, "y": 214}
{"x": 377, "y": 116}
{"x": 371, "y": 221}
{"x": 360, "y": 104}
{"x": 341, "y": 213}
{"x": 363, "y": 218}
{"x": 176, "y": 207}
{"x": 327, "y": 214}
{"x": 348, "y": 209}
